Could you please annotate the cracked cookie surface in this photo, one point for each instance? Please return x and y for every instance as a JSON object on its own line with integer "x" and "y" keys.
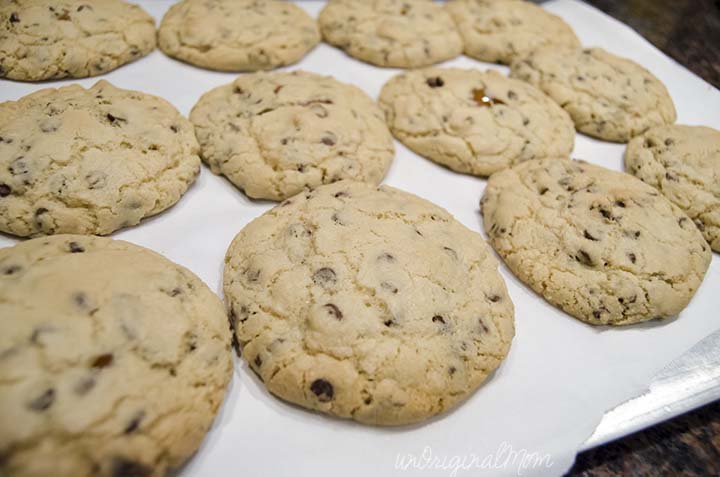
{"x": 91, "y": 161}
{"x": 113, "y": 360}
{"x": 237, "y": 35}
{"x": 50, "y": 39}
{"x": 683, "y": 163}
{"x": 274, "y": 134}
{"x": 367, "y": 303}
{"x": 500, "y": 31}
{"x": 607, "y": 96}
{"x": 475, "y": 122}
{"x": 599, "y": 244}
{"x": 393, "y": 33}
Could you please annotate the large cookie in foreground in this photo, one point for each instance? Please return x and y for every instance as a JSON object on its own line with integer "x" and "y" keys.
{"x": 682, "y": 162}
{"x": 50, "y": 39}
{"x": 237, "y": 35}
{"x": 113, "y": 360}
{"x": 367, "y": 303}
{"x": 275, "y": 134}
{"x": 475, "y": 122}
{"x": 501, "y": 31}
{"x": 600, "y": 244}
{"x": 607, "y": 96}
{"x": 392, "y": 33}
{"x": 91, "y": 161}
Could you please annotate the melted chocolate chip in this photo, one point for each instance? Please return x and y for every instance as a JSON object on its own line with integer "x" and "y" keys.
{"x": 483, "y": 326}
{"x": 451, "y": 370}
{"x": 75, "y": 247}
{"x": 102, "y": 361}
{"x": 494, "y": 298}
{"x": 584, "y": 258}
{"x": 389, "y": 287}
{"x": 134, "y": 423}
{"x": 43, "y": 401}
{"x": 174, "y": 128}
{"x": 389, "y": 323}
{"x": 596, "y": 314}
{"x": 620, "y": 203}
{"x": 325, "y": 277}
{"x": 334, "y": 311}
{"x": 323, "y": 390}
{"x": 238, "y": 90}
{"x": 5, "y": 190}
{"x": 11, "y": 269}
{"x": 632, "y": 257}
{"x": 438, "y": 319}
{"x": 589, "y": 236}
{"x": 122, "y": 467}
{"x": 14, "y": 18}
{"x": 386, "y": 257}
{"x": 481, "y": 99}
{"x": 115, "y": 120}
{"x": 606, "y": 213}
{"x": 258, "y": 360}
{"x": 328, "y": 140}
{"x": 435, "y": 82}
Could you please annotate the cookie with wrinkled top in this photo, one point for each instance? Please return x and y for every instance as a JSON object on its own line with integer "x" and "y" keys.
{"x": 500, "y": 31}
{"x": 367, "y": 303}
{"x": 683, "y": 163}
{"x": 275, "y": 134}
{"x": 113, "y": 360}
{"x": 91, "y": 161}
{"x": 391, "y": 33}
{"x": 237, "y": 35}
{"x": 599, "y": 244}
{"x": 607, "y": 96}
{"x": 51, "y": 39}
{"x": 475, "y": 122}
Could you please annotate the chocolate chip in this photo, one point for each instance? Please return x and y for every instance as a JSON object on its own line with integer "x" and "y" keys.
{"x": 389, "y": 287}
{"x": 102, "y": 361}
{"x": 438, "y": 319}
{"x": 620, "y": 203}
{"x": 324, "y": 277}
{"x": 323, "y": 390}
{"x": 277, "y": 89}
{"x": 341, "y": 194}
{"x": 75, "y": 247}
{"x": 671, "y": 177}
{"x": 122, "y": 467}
{"x": 451, "y": 370}
{"x": 451, "y": 252}
{"x": 584, "y": 258}
{"x": 174, "y": 128}
{"x": 389, "y": 323}
{"x": 481, "y": 99}
{"x": 134, "y": 423}
{"x": 334, "y": 311}
{"x": 258, "y": 360}
{"x": 543, "y": 190}
{"x": 329, "y": 140}
{"x": 386, "y": 257}
{"x": 43, "y": 401}
{"x": 5, "y": 190}
{"x": 494, "y": 298}
{"x": 589, "y": 236}
{"x": 483, "y": 326}
{"x": 83, "y": 7}
{"x": 669, "y": 142}
{"x": 512, "y": 94}
{"x": 115, "y": 120}
{"x": 632, "y": 257}
{"x": 80, "y": 299}
{"x": 11, "y": 269}
{"x": 14, "y": 18}
{"x": 606, "y": 213}
{"x": 596, "y": 314}
{"x": 435, "y": 82}
{"x": 238, "y": 90}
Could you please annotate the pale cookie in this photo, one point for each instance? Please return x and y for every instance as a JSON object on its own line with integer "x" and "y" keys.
{"x": 682, "y": 162}
{"x": 393, "y": 33}
{"x": 113, "y": 360}
{"x": 367, "y": 303}
{"x": 50, "y": 39}
{"x": 599, "y": 244}
{"x": 498, "y": 31}
{"x": 274, "y": 134}
{"x": 91, "y": 161}
{"x": 237, "y": 35}
{"x": 607, "y": 96}
{"x": 475, "y": 122}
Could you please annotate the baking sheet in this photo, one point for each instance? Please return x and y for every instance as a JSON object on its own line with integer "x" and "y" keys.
{"x": 560, "y": 376}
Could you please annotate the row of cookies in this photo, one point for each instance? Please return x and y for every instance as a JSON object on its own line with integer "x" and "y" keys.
{"x": 43, "y": 39}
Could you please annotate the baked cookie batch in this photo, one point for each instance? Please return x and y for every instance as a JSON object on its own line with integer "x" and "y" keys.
{"x": 349, "y": 297}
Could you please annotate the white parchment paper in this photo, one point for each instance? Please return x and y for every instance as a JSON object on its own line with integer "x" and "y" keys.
{"x": 560, "y": 375}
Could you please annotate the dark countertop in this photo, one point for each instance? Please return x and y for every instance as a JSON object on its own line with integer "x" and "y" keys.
{"x": 689, "y": 445}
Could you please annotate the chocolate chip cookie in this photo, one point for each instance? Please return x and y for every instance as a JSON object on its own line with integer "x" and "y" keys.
{"x": 394, "y": 33}
{"x": 367, "y": 303}
{"x": 50, "y": 39}
{"x": 600, "y": 244}
{"x": 274, "y": 134}
{"x": 500, "y": 31}
{"x": 237, "y": 35}
{"x": 682, "y": 162}
{"x": 607, "y": 96}
{"x": 90, "y": 161}
{"x": 475, "y": 122}
{"x": 113, "y": 360}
